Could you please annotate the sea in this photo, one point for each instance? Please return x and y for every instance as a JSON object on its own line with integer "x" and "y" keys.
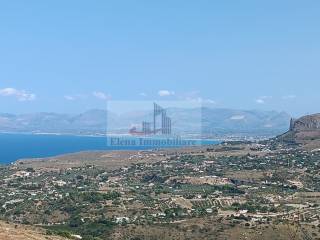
{"x": 21, "y": 146}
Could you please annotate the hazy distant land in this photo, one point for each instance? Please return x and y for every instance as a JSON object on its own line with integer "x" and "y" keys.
{"x": 211, "y": 122}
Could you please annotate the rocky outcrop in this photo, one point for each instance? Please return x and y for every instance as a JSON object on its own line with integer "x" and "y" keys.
{"x": 306, "y": 123}
{"x": 305, "y": 130}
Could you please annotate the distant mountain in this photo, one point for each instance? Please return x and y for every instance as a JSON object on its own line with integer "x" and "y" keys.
{"x": 90, "y": 122}
{"x": 208, "y": 121}
{"x": 246, "y": 122}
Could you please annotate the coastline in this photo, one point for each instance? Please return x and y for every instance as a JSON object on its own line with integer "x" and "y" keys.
{"x": 16, "y": 146}
{"x": 105, "y": 135}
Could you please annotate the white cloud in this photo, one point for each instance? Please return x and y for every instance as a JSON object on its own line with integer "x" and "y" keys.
{"x": 75, "y": 97}
{"x": 143, "y": 94}
{"x": 238, "y": 117}
{"x": 165, "y": 93}
{"x": 262, "y": 99}
{"x": 210, "y": 101}
{"x": 21, "y": 95}
{"x": 69, "y": 98}
{"x": 201, "y": 100}
{"x": 101, "y": 95}
{"x": 195, "y": 98}
{"x": 289, "y": 97}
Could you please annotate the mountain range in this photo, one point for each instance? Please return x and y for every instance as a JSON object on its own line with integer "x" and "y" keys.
{"x": 209, "y": 121}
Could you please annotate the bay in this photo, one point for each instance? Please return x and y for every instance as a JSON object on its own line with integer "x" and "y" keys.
{"x": 18, "y": 146}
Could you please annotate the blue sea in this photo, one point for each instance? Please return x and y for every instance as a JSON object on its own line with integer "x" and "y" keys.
{"x": 18, "y": 146}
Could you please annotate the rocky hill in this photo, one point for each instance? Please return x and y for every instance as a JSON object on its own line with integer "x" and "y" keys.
{"x": 306, "y": 123}
{"x": 304, "y": 130}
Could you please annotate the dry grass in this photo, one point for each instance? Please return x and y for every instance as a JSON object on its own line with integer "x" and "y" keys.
{"x": 20, "y": 232}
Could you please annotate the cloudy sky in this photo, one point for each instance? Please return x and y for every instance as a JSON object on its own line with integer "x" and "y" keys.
{"x": 70, "y": 56}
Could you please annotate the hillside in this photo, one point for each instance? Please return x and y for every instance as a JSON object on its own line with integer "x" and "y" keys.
{"x": 20, "y": 232}
{"x": 181, "y": 194}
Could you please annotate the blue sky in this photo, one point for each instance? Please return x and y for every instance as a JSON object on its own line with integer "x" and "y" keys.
{"x": 70, "y": 56}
